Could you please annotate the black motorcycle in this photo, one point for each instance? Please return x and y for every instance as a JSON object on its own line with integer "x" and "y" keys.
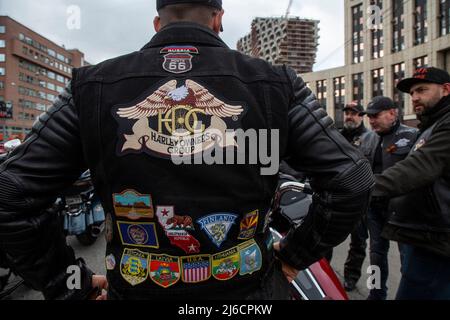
{"x": 290, "y": 207}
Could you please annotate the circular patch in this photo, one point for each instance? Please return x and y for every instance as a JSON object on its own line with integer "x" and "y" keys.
{"x": 138, "y": 234}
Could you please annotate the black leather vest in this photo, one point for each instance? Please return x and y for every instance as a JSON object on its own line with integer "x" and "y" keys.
{"x": 425, "y": 209}
{"x": 172, "y": 229}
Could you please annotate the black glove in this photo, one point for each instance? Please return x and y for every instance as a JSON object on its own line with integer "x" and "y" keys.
{"x": 58, "y": 288}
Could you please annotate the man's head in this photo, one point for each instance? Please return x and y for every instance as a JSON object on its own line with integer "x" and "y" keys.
{"x": 382, "y": 113}
{"x": 427, "y": 87}
{"x": 353, "y": 115}
{"x": 206, "y": 12}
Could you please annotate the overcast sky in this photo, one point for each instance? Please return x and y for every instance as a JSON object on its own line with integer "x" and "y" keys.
{"x": 111, "y": 28}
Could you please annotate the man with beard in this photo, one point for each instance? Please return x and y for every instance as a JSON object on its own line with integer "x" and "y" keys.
{"x": 421, "y": 185}
{"x": 366, "y": 141}
{"x": 396, "y": 140}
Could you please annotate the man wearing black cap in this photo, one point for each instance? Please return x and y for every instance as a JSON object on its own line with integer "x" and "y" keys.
{"x": 395, "y": 141}
{"x": 420, "y": 188}
{"x": 366, "y": 141}
{"x": 177, "y": 230}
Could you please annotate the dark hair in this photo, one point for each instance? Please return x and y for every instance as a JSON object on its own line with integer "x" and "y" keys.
{"x": 187, "y": 12}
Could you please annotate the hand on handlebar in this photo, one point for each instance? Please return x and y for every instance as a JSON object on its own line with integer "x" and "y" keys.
{"x": 101, "y": 284}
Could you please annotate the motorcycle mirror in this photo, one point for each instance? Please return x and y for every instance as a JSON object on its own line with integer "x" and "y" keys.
{"x": 11, "y": 145}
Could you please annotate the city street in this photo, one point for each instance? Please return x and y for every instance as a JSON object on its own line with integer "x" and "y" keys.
{"x": 94, "y": 256}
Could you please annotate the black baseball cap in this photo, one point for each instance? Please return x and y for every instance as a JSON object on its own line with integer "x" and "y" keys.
{"x": 379, "y": 104}
{"x": 427, "y": 75}
{"x": 213, "y": 3}
{"x": 356, "y": 107}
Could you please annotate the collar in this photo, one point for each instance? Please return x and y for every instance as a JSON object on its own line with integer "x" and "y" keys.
{"x": 393, "y": 129}
{"x": 185, "y": 33}
{"x": 434, "y": 114}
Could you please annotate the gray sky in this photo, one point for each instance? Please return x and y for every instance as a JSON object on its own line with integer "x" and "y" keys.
{"x": 114, "y": 27}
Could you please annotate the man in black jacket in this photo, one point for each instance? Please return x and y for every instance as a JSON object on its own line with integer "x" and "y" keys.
{"x": 366, "y": 141}
{"x": 395, "y": 142}
{"x": 421, "y": 192}
{"x": 180, "y": 230}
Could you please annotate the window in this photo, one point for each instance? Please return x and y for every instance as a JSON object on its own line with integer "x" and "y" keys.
{"x": 377, "y": 82}
{"x": 399, "y": 74}
{"x": 420, "y": 22}
{"x": 2, "y": 57}
{"x": 339, "y": 101}
{"x": 51, "y": 97}
{"x": 377, "y": 35}
{"x": 50, "y": 86}
{"x": 2, "y": 29}
{"x": 2, "y": 44}
{"x": 60, "y": 57}
{"x": 444, "y": 18}
{"x": 421, "y": 62}
{"x": 357, "y": 30}
{"x": 2, "y": 85}
{"x": 51, "y": 53}
{"x": 322, "y": 92}
{"x": 2, "y": 71}
{"x": 51, "y": 75}
{"x": 398, "y": 27}
{"x": 21, "y": 37}
{"x": 60, "y": 78}
{"x": 358, "y": 87}
{"x": 59, "y": 89}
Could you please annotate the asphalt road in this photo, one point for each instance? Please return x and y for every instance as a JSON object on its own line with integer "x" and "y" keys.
{"x": 94, "y": 256}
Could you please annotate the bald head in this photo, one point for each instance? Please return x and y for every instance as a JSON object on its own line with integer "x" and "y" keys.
{"x": 188, "y": 12}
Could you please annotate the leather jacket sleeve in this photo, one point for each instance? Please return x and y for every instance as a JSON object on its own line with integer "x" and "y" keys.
{"x": 340, "y": 176}
{"x": 31, "y": 235}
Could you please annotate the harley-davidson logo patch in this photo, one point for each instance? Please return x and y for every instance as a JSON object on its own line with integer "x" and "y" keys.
{"x": 177, "y": 121}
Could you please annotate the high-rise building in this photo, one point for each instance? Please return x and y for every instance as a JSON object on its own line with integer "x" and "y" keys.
{"x": 33, "y": 71}
{"x": 385, "y": 41}
{"x": 290, "y": 41}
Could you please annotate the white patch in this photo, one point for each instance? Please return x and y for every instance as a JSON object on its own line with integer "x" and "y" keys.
{"x": 402, "y": 143}
{"x": 179, "y": 93}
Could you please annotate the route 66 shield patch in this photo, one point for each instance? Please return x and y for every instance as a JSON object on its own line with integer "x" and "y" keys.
{"x": 177, "y": 62}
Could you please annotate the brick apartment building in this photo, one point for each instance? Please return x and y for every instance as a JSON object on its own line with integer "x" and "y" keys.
{"x": 291, "y": 41}
{"x": 33, "y": 71}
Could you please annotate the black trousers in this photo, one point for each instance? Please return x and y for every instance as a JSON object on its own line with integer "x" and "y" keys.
{"x": 357, "y": 252}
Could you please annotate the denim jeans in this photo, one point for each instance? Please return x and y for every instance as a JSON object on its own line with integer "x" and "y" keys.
{"x": 379, "y": 248}
{"x": 425, "y": 275}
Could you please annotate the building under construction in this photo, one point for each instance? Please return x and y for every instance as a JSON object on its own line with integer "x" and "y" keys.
{"x": 291, "y": 41}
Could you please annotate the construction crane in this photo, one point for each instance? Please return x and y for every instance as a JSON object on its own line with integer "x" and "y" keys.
{"x": 288, "y": 11}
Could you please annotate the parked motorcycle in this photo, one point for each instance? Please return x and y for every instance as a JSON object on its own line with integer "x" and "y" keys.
{"x": 79, "y": 210}
{"x": 291, "y": 206}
